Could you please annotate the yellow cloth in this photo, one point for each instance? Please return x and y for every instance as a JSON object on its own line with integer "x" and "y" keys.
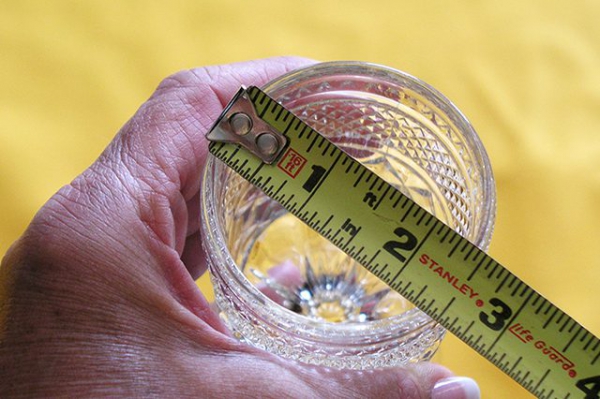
{"x": 527, "y": 74}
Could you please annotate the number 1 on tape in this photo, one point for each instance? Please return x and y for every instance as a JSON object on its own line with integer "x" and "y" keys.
{"x": 447, "y": 277}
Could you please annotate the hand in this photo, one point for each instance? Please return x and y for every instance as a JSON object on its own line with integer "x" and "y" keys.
{"x": 97, "y": 298}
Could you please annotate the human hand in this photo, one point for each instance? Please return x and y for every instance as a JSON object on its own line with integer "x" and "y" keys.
{"x": 97, "y": 298}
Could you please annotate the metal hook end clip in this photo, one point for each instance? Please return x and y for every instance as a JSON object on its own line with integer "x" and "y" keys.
{"x": 240, "y": 124}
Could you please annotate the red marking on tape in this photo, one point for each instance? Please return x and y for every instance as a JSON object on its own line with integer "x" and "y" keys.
{"x": 551, "y": 353}
{"x": 292, "y": 163}
{"x": 451, "y": 279}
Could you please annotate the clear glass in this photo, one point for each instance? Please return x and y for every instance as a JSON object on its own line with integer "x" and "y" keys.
{"x": 283, "y": 288}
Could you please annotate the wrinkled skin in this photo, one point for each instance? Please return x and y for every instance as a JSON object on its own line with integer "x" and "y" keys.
{"x": 98, "y": 296}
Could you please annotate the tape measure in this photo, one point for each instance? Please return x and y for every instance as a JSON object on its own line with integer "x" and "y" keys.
{"x": 439, "y": 271}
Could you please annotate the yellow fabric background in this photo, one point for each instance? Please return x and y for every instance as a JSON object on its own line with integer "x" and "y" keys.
{"x": 527, "y": 74}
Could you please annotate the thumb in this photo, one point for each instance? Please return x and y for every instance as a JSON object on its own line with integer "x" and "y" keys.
{"x": 414, "y": 381}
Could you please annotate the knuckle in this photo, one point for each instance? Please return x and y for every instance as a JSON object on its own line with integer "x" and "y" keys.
{"x": 177, "y": 80}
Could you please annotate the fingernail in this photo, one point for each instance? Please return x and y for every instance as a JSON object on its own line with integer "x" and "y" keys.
{"x": 456, "y": 388}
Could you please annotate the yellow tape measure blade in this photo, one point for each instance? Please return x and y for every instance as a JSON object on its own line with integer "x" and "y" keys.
{"x": 442, "y": 273}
